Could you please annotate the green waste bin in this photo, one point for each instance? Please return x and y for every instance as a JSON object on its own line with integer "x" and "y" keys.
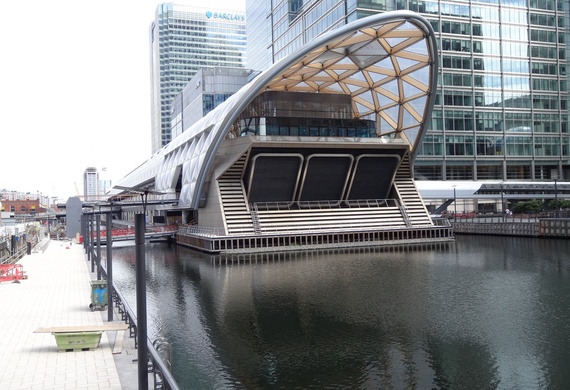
{"x": 98, "y": 295}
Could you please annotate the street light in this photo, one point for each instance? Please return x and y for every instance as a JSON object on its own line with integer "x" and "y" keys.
{"x": 140, "y": 277}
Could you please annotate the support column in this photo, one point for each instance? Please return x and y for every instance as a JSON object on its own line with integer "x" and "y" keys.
{"x": 142, "y": 346}
{"x": 109, "y": 236}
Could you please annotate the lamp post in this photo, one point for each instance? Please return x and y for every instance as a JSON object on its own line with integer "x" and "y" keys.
{"x": 140, "y": 278}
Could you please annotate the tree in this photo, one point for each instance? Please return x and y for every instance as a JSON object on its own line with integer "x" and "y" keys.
{"x": 527, "y": 207}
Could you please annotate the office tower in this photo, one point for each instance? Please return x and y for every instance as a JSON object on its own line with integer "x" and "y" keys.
{"x": 501, "y": 111}
{"x": 208, "y": 89}
{"x": 184, "y": 39}
{"x": 90, "y": 184}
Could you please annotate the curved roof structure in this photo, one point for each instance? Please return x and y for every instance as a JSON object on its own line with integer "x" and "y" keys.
{"x": 387, "y": 63}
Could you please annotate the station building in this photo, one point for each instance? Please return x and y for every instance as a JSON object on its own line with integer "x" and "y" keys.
{"x": 316, "y": 150}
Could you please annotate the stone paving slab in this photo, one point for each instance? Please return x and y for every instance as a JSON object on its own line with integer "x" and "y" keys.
{"x": 57, "y": 292}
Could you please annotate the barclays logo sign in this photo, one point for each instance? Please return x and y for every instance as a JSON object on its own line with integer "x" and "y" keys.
{"x": 225, "y": 16}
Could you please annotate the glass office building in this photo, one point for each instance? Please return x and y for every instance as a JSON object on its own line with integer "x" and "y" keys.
{"x": 501, "y": 110}
{"x": 184, "y": 39}
{"x": 209, "y": 88}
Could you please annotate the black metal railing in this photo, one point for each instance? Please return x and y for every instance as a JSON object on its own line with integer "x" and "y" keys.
{"x": 163, "y": 379}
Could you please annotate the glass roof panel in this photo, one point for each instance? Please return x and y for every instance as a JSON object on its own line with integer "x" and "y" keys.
{"x": 405, "y": 63}
{"x": 367, "y": 97}
{"x": 419, "y": 47}
{"x": 333, "y": 88}
{"x": 383, "y": 100}
{"x": 386, "y": 64}
{"x": 419, "y": 104}
{"x": 327, "y": 56}
{"x": 376, "y": 77}
{"x": 392, "y": 112}
{"x": 359, "y": 76}
{"x": 394, "y": 41}
{"x": 422, "y": 75}
{"x": 362, "y": 109}
{"x": 322, "y": 75}
{"x": 412, "y": 134}
{"x": 368, "y": 54}
{"x": 385, "y": 127}
{"x": 392, "y": 86}
{"x": 410, "y": 90}
{"x": 408, "y": 119}
{"x": 352, "y": 88}
{"x": 344, "y": 61}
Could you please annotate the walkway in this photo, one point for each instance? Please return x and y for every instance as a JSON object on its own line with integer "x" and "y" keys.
{"x": 57, "y": 292}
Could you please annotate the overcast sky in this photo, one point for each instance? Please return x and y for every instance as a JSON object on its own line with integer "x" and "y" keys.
{"x": 74, "y": 90}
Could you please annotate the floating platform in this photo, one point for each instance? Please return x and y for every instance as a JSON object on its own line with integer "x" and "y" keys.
{"x": 313, "y": 240}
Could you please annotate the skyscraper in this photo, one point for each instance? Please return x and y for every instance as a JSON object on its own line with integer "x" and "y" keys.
{"x": 501, "y": 110}
{"x": 90, "y": 184}
{"x": 184, "y": 39}
{"x": 208, "y": 89}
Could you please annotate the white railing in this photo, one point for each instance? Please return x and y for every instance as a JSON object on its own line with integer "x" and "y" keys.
{"x": 201, "y": 231}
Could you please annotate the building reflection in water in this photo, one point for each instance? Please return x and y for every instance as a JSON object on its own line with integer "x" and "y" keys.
{"x": 483, "y": 312}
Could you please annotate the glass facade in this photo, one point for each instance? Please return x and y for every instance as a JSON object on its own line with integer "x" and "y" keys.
{"x": 183, "y": 40}
{"x": 299, "y": 114}
{"x": 501, "y": 109}
{"x": 210, "y": 87}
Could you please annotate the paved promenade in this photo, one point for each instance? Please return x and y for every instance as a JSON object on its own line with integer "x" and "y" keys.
{"x": 57, "y": 293}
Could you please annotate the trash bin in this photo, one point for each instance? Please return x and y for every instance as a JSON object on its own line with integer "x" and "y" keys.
{"x": 98, "y": 295}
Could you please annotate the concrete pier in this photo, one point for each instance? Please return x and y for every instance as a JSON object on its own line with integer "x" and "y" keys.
{"x": 57, "y": 292}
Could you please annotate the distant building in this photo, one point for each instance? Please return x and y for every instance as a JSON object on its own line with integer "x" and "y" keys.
{"x": 207, "y": 90}
{"x": 90, "y": 184}
{"x": 22, "y": 206}
{"x": 18, "y": 195}
{"x": 184, "y": 39}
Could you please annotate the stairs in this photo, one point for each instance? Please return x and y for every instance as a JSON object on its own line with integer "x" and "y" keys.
{"x": 330, "y": 219}
{"x": 413, "y": 208}
{"x": 243, "y": 219}
{"x": 233, "y": 199}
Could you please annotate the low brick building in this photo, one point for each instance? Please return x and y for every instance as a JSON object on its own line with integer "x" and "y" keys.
{"x": 22, "y": 206}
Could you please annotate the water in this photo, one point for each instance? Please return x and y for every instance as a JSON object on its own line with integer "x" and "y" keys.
{"x": 480, "y": 313}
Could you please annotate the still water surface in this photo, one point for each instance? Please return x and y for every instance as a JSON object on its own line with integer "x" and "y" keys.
{"x": 480, "y": 313}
